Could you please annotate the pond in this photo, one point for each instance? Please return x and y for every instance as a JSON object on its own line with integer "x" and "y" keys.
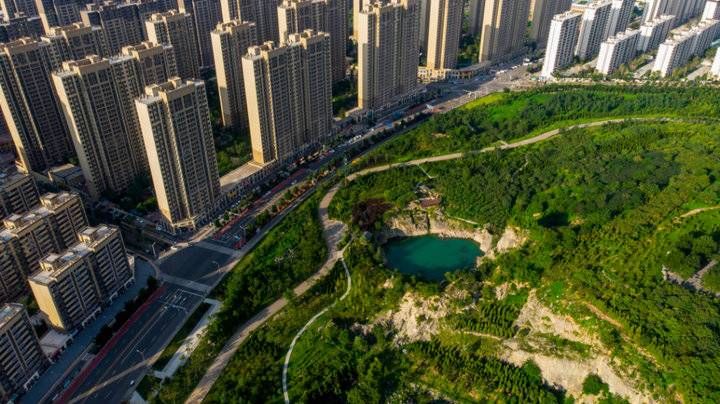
{"x": 430, "y": 257}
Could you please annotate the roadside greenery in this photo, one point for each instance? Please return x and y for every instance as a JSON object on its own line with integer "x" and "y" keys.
{"x": 253, "y": 373}
{"x": 344, "y": 97}
{"x": 507, "y": 116}
{"x": 288, "y": 254}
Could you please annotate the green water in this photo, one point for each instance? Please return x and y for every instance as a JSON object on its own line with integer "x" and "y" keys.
{"x": 430, "y": 257}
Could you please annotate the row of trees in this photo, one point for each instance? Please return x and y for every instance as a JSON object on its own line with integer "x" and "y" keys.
{"x": 516, "y": 115}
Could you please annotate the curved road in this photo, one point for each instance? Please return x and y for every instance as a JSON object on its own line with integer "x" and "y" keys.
{"x": 333, "y": 233}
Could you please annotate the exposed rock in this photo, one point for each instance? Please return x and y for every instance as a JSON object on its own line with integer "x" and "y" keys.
{"x": 415, "y": 319}
{"x": 566, "y": 371}
{"x": 417, "y": 222}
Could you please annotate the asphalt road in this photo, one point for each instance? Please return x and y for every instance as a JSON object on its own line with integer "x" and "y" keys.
{"x": 126, "y": 363}
{"x": 196, "y": 263}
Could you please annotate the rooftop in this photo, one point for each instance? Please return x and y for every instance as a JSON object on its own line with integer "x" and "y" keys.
{"x": 55, "y": 265}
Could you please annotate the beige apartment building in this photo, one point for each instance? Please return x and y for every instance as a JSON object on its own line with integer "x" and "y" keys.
{"x": 57, "y": 13}
{"x": 543, "y": 12}
{"x": 18, "y": 193}
{"x": 27, "y": 237}
{"x": 504, "y": 26}
{"x": 97, "y": 98}
{"x": 75, "y": 41}
{"x": 476, "y": 9}
{"x": 177, "y": 29}
{"x": 206, "y": 15}
{"x": 262, "y": 12}
{"x": 21, "y": 358}
{"x": 111, "y": 269}
{"x": 65, "y": 289}
{"x": 13, "y": 271}
{"x": 175, "y": 122}
{"x": 11, "y": 8}
{"x": 289, "y": 95}
{"x": 154, "y": 62}
{"x": 231, "y": 41}
{"x": 120, "y": 22}
{"x": 30, "y": 106}
{"x": 71, "y": 286}
{"x": 68, "y": 214}
{"x": 50, "y": 227}
{"x": 388, "y": 54}
{"x": 444, "y": 29}
{"x": 295, "y": 16}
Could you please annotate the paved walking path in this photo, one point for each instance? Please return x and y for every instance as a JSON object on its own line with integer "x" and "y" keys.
{"x": 189, "y": 343}
{"x": 305, "y": 327}
{"x": 333, "y": 233}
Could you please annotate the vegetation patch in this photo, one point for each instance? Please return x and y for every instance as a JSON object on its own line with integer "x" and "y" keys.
{"x": 288, "y": 254}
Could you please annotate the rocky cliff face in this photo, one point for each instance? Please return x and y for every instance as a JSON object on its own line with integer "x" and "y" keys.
{"x": 414, "y": 223}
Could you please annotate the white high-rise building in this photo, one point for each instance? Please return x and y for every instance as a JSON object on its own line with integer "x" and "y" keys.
{"x": 206, "y": 15}
{"x": 262, "y": 12}
{"x": 712, "y": 10}
{"x": 476, "y": 9}
{"x": 706, "y": 32}
{"x": 617, "y": 50}
{"x": 21, "y": 358}
{"x": 619, "y": 18}
{"x": 388, "y": 54}
{"x": 715, "y": 69}
{"x": 30, "y": 106}
{"x": 592, "y": 28}
{"x": 288, "y": 91}
{"x": 543, "y": 11}
{"x": 653, "y": 33}
{"x": 562, "y": 41}
{"x": 75, "y": 41}
{"x": 683, "y": 44}
{"x": 177, "y": 29}
{"x": 683, "y": 10}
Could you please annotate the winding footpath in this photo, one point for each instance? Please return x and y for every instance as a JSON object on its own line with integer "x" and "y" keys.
{"x": 305, "y": 327}
{"x": 333, "y": 232}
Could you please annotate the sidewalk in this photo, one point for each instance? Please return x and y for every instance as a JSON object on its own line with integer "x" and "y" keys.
{"x": 189, "y": 344}
{"x": 54, "y": 376}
